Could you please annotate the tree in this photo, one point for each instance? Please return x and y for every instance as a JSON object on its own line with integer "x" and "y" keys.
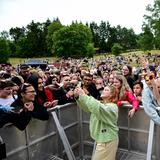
{"x": 146, "y": 39}
{"x": 95, "y": 33}
{"x": 152, "y": 20}
{"x": 16, "y": 33}
{"x": 52, "y": 28}
{"x": 126, "y": 38}
{"x": 72, "y": 41}
{"x": 111, "y": 37}
{"x": 35, "y": 39}
{"x": 90, "y": 50}
{"x": 116, "y": 49}
{"x": 4, "y": 51}
{"x": 22, "y": 48}
{"x": 44, "y": 35}
{"x": 4, "y": 35}
{"x": 103, "y": 32}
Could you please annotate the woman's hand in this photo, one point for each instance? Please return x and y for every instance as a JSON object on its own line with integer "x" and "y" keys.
{"x": 70, "y": 94}
{"x": 29, "y": 106}
{"x": 125, "y": 102}
{"x": 131, "y": 113}
{"x": 50, "y": 104}
{"x": 47, "y": 104}
{"x": 54, "y": 103}
{"x": 144, "y": 62}
{"x": 78, "y": 91}
{"x": 139, "y": 98}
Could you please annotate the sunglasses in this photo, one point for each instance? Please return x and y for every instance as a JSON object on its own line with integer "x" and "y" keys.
{"x": 149, "y": 77}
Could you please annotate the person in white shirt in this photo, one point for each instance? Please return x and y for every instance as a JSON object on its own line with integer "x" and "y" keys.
{"x": 6, "y": 98}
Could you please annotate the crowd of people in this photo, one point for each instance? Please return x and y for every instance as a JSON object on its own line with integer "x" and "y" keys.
{"x": 99, "y": 87}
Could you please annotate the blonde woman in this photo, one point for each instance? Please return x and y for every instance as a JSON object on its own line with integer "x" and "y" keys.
{"x": 103, "y": 121}
{"x": 125, "y": 94}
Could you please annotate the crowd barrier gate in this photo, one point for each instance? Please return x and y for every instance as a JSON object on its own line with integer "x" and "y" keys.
{"x": 66, "y": 135}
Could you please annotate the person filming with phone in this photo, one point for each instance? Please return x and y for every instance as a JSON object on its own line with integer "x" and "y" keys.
{"x": 151, "y": 93}
{"x": 151, "y": 98}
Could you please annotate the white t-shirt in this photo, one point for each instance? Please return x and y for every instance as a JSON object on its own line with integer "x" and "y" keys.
{"x": 6, "y": 101}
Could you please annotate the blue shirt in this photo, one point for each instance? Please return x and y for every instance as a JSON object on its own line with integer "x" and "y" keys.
{"x": 150, "y": 104}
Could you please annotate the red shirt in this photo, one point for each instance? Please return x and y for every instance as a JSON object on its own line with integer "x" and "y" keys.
{"x": 131, "y": 99}
{"x": 49, "y": 96}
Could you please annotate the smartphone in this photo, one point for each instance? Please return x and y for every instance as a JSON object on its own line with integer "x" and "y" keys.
{"x": 79, "y": 84}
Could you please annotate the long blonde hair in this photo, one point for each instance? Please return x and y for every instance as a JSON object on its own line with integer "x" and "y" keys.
{"x": 125, "y": 86}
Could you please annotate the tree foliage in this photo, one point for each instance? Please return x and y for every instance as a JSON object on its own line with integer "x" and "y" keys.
{"x": 79, "y": 40}
{"x": 4, "y": 51}
{"x": 52, "y": 28}
{"x": 152, "y": 21}
{"x": 72, "y": 41}
{"x": 117, "y": 49}
{"x": 146, "y": 39}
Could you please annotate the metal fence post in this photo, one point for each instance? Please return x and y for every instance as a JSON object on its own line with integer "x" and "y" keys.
{"x": 63, "y": 137}
{"x": 150, "y": 140}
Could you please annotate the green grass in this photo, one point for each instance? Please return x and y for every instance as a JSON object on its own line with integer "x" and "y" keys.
{"x": 16, "y": 61}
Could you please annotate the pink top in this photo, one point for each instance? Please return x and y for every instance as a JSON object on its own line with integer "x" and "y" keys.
{"x": 131, "y": 99}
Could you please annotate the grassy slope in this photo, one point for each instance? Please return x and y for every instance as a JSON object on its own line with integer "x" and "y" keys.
{"x": 16, "y": 61}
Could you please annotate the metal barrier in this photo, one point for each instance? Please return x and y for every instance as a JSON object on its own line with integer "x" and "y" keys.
{"x": 138, "y": 130}
{"x": 133, "y": 136}
{"x": 66, "y": 134}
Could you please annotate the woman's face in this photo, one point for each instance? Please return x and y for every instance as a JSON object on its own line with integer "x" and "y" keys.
{"x": 29, "y": 94}
{"x": 106, "y": 92}
{"x": 111, "y": 78}
{"x": 54, "y": 81}
{"x": 117, "y": 83}
{"x": 125, "y": 70}
{"x": 40, "y": 84}
{"x": 137, "y": 89}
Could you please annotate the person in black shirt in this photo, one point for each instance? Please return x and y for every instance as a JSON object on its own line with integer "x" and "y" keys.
{"x": 24, "y": 109}
{"x": 89, "y": 87}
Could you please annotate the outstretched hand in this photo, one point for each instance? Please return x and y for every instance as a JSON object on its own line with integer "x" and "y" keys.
{"x": 145, "y": 62}
{"x": 78, "y": 91}
{"x": 131, "y": 113}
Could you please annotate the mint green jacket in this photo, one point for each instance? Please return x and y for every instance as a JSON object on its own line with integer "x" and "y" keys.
{"x": 103, "y": 120}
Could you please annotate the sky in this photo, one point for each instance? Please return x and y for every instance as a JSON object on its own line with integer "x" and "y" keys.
{"x": 127, "y": 13}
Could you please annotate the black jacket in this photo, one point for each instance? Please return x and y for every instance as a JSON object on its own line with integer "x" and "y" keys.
{"x": 60, "y": 95}
{"x": 21, "y": 120}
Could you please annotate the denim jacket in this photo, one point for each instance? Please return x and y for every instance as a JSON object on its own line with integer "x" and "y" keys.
{"x": 150, "y": 105}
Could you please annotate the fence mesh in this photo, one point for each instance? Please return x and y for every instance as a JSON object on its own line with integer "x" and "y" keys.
{"x": 53, "y": 157}
{"x": 126, "y": 155}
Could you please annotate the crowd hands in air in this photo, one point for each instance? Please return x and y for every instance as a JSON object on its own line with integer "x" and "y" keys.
{"x": 27, "y": 92}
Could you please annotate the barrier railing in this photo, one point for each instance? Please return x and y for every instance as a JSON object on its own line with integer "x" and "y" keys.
{"x": 70, "y": 138}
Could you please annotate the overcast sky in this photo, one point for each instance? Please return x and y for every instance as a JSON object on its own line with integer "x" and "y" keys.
{"x": 127, "y": 13}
